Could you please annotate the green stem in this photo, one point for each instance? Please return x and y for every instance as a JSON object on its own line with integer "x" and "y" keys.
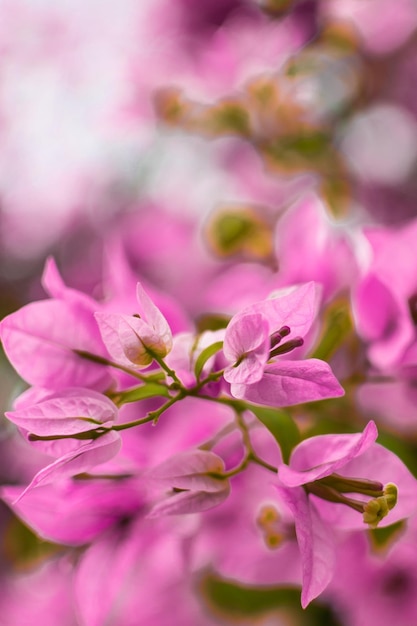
{"x": 331, "y": 495}
{"x": 259, "y": 461}
{"x": 239, "y": 468}
{"x": 166, "y": 368}
{"x": 226, "y": 430}
{"x": 250, "y": 454}
{"x": 103, "y": 361}
{"x": 152, "y": 416}
{"x": 87, "y": 476}
{"x": 236, "y": 405}
{"x": 213, "y": 377}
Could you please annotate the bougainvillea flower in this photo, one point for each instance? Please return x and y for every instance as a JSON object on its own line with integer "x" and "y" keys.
{"x": 41, "y": 340}
{"x": 268, "y": 329}
{"x": 250, "y": 537}
{"x": 377, "y": 586}
{"x": 186, "y": 349}
{"x": 82, "y": 458}
{"x": 132, "y": 339}
{"x": 120, "y": 279}
{"x": 74, "y": 426}
{"x": 285, "y": 383}
{"x": 315, "y": 484}
{"x": 247, "y": 342}
{"x": 393, "y": 402}
{"x": 195, "y": 482}
{"x": 150, "y": 581}
{"x": 55, "y": 287}
{"x": 384, "y": 300}
{"x": 45, "y": 589}
{"x": 74, "y": 512}
{"x": 325, "y": 257}
{"x": 70, "y": 412}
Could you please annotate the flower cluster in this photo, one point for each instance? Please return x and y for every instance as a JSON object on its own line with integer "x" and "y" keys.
{"x": 92, "y": 369}
{"x": 223, "y": 433}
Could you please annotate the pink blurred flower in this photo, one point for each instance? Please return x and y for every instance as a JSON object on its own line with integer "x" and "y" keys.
{"x": 42, "y": 338}
{"x": 384, "y": 300}
{"x": 376, "y": 584}
{"x": 45, "y": 589}
{"x": 310, "y": 246}
{"x": 382, "y": 26}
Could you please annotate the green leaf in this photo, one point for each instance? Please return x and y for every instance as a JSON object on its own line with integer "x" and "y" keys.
{"x": 155, "y": 377}
{"x": 149, "y": 390}
{"x": 230, "y": 229}
{"x": 337, "y": 326}
{"x": 230, "y": 117}
{"x": 382, "y": 538}
{"x": 281, "y": 425}
{"x": 204, "y": 356}
{"x": 212, "y": 321}
{"x": 235, "y": 601}
{"x": 21, "y": 547}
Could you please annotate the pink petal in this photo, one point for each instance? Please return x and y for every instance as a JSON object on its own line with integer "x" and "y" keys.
{"x": 286, "y": 383}
{"x": 249, "y": 371}
{"x": 316, "y": 544}
{"x": 324, "y": 257}
{"x": 320, "y": 456}
{"x": 376, "y": 463}
{"x": 383, "y": 320}
{"x": 63, "y": 414}
{"x": 127, "y": 575}
{"x": 56, "y": 288}
{"x": 153, "y": 317}
{"x": 193, "y": 472}
{"x": 127, "y": 337}
{"x": 40, "y": 338}
{"x": 74, "y": 512}
{"x": 51, "y": 279}
{"x": 375, "y": 308}
{"x": 295, "y": 307}
{"x": 108, "y": 324}
{"x": 247, "y": 337}
{"x": 99, "y": 593}
{"x": 190, "y": 502}
{"x": 136, "y": 337}
{"x": 190, "y": 470}
{"x": 78, "y": 461}
{"x": 245, "y": 333}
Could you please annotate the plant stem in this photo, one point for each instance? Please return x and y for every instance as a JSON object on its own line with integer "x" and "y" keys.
{"x": 152, "y": 416}
{"x": 103, "y": 361}
{"x": 166, "y": 368}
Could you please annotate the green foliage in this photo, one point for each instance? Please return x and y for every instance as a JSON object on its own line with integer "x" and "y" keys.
{"x": 230, "y": 117}
{"x": 337, "y": 325}
{"x": 148, "y": 390}
{"x": 383, "y": 537}
{"x": 22, "y": 548}
{"x": 230, "y": 229}
{"x": 281, "y": 425}
{"x": 212, "y": 321}
{"x": 204, "y": 356}
{"x": 236, "y": 601}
